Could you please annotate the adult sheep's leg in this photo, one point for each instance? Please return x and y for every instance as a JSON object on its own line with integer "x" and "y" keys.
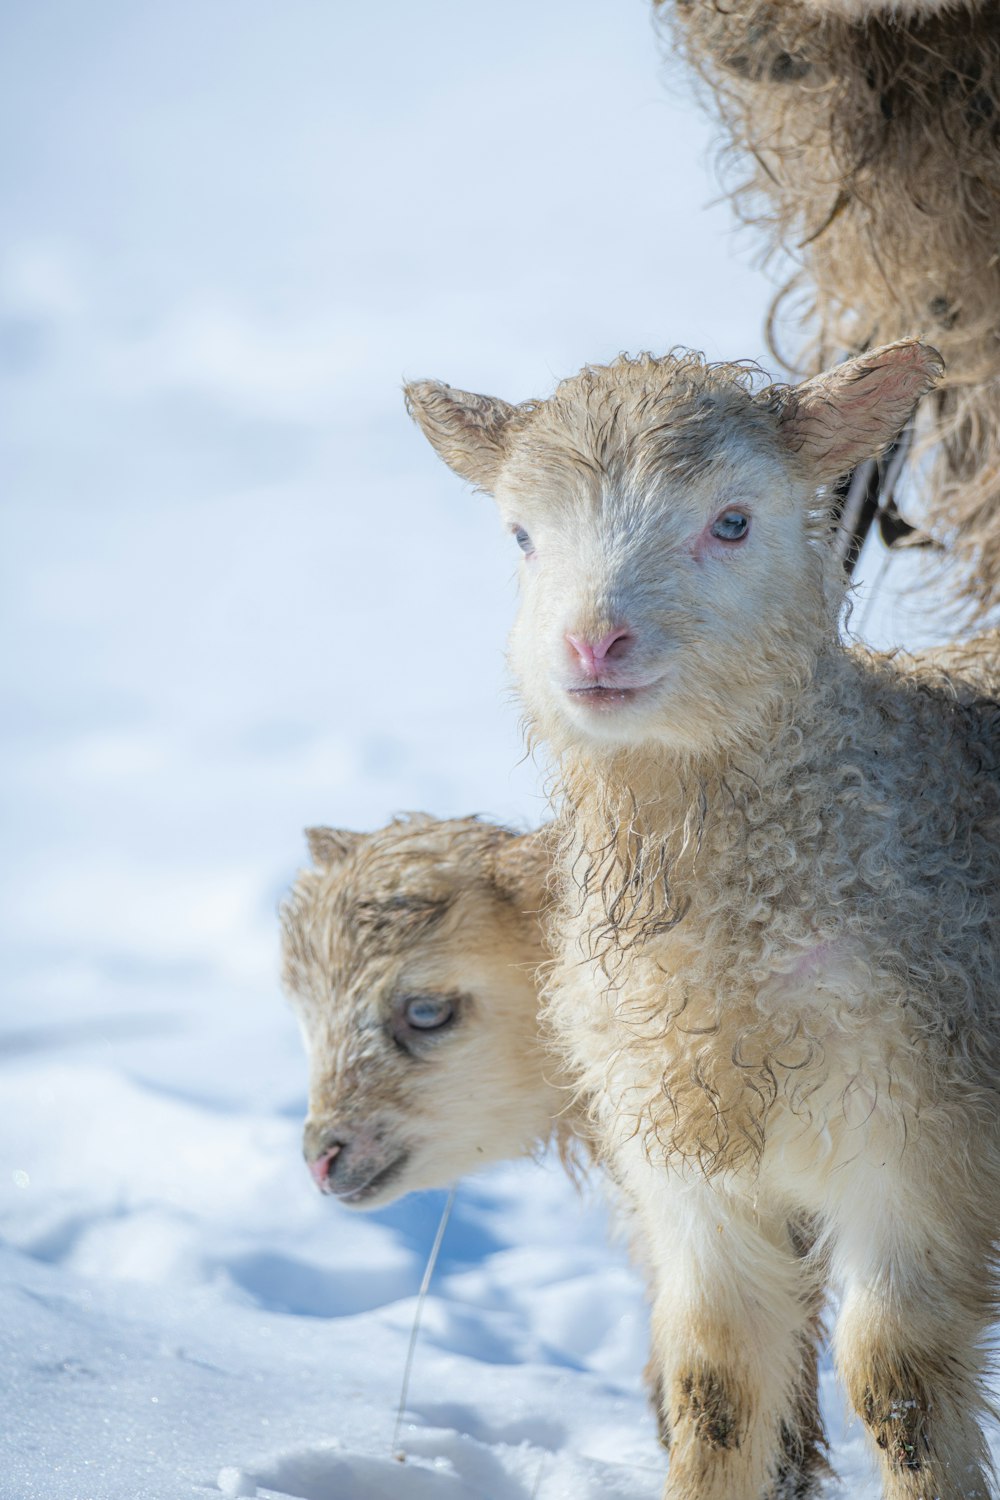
{"x": 733, "y": 1322}
{"x": 919, "y": 1294}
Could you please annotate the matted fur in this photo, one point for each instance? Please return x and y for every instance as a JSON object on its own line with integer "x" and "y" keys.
{"x": 865, "y": 142}
{"x": 778, "y": 975}
{"x": 898, "y": 10}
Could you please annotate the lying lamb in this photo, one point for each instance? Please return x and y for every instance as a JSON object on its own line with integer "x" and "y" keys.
{"x": 410, "y": 957}
{"x": 777, "y": 976}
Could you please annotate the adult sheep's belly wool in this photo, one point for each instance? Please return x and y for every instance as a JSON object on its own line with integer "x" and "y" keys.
{"x": 869, "y": 148}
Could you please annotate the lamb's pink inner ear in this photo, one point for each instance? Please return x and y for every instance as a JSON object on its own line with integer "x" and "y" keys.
{"x": 851, "y": 413}
{"x": 466, "y": 430}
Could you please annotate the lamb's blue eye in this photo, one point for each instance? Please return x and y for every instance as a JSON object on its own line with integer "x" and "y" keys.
{"x": 731, "y": 526}
{"x": 428, "y": 1012}
{"x": 523, "y": 540}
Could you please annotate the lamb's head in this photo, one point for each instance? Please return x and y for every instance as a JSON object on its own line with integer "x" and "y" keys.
{"x": 410, "y": 957}
{"x": 676, "y": 573}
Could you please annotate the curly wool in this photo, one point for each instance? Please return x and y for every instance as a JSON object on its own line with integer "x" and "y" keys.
{"x": 862, "y": 824}
{"x": 869, "y": 150}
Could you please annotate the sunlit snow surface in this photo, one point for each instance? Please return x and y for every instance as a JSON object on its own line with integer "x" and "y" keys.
{"x": 239, "y": 596}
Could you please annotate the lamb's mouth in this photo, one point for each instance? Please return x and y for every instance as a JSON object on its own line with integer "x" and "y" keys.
{"x": 355, "y": 1196}
{"x": 603, "y": 695}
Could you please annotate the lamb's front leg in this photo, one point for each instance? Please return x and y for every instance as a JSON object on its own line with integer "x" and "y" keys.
{"x": 733, "y": 1324}
{"x": 916, "y": 1260}
{"x": 803, "y": 1464}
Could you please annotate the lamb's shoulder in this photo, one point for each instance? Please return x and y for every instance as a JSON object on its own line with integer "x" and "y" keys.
{"x": 942, "y": 694}
{"x": 888, "y": 774}
{"x": 927, "y": 730}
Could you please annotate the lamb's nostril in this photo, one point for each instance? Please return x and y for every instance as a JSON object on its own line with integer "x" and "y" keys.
{"x": 323, "y": 1167}
{"x": 610, "y": 647}
{"x": 616, "y": 644}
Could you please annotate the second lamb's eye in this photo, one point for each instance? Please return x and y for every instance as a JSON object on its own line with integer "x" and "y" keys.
{"x": 523, "y": 540}
{"x": 731, "y": 526}
{"x": 428, "y": 1012}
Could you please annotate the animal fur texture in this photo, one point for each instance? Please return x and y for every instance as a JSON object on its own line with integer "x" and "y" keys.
{"x": 778, "y": 965}
{"x": 438, "y": 1105}
{"x": 898, "y": 10}
{"x": 864, "y": 141}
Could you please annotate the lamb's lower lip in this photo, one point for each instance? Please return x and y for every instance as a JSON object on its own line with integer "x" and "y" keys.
{"x": 604, "y": 696}
{"x": 382, "y": 1179}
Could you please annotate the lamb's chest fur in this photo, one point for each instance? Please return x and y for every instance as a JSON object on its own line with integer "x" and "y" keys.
{"x": 818, "y": 940}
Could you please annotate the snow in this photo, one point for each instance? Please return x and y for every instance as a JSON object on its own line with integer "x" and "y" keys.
{"x": 243, "y": 596}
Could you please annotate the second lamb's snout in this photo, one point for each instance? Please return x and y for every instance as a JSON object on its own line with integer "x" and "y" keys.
{"x": 592, "y": 653}
{"x": 353, "y": 1162}
{"x": 323, "y": 1165}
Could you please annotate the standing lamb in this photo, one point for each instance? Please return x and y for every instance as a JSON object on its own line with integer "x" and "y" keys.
{"x": 778, "y": 943}
{"x": 864, "y": 139}
{"x": 426, "y": 1057}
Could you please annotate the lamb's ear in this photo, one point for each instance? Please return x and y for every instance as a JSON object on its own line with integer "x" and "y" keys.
{"x": 522, "y": 867}
{"x": 466, "y": 430}
{"x": 852, "y": 412}
{"x": 331, "y": 846}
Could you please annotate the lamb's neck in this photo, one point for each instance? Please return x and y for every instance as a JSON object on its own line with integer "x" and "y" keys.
{"x": 644, "y": 788}
{"x": 651, "y": 806}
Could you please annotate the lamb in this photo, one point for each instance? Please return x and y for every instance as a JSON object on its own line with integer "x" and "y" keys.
{"x": 777, "y": 967}
{"x": 863, "y": 139}
{"x": 413, "y": 946}
{"x": 443, "y": 920}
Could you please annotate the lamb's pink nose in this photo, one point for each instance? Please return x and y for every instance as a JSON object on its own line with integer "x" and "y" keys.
{"x": 320, "y": 1168}
{"x": 592, "y": 655}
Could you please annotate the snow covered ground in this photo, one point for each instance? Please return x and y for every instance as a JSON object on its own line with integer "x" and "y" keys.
{"x": 240, "y": 595}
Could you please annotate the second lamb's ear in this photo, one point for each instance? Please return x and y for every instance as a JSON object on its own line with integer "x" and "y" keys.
{"x": 850, "y": 413}
{"x": 331, "y": 846}
{"x": 466, "y": 430}
{"x": 523, "y": 866}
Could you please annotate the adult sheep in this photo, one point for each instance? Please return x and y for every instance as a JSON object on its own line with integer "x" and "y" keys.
{"x": 778, "y": 973}
{"x": 864, "y": 140}
{"x": 410, "y": 956}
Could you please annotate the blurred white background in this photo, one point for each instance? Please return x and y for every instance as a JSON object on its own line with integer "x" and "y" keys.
{"x": 241, "y": 593}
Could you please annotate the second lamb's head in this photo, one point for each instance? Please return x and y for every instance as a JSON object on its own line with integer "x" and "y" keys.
{"x": 410, "y": 958}
{"x": 676, "y": 571}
